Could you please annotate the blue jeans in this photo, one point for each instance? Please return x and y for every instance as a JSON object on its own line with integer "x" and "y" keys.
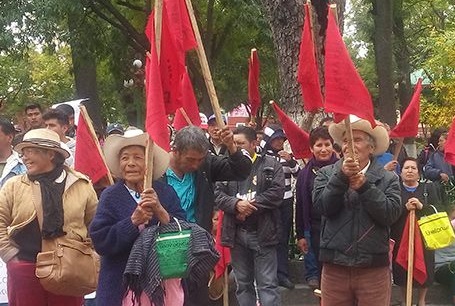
{"x": 282, "y": 250}
{"x": 252, "y": 262}
{"x": 310, "y": 261}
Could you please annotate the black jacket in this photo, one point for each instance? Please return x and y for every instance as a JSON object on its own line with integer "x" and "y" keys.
{"x": 268, "y": 177}
{"x": 356, "y": 224}
{"x": 235, "y": 167}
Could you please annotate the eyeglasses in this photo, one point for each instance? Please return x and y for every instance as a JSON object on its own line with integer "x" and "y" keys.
{"x": 31, "y": 151}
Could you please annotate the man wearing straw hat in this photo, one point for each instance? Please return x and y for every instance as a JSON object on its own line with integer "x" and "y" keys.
{"x": 358, "y": 200}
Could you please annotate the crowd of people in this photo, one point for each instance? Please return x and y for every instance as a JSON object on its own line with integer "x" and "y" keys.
{"x": 346, "y": 204}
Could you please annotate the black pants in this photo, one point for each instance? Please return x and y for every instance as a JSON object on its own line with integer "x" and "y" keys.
{"x": 282, "y": 251}
{"x": 444, "y": 276}
{"x": 196, "y": 294}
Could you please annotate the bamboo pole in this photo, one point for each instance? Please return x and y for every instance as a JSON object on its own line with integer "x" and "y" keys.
{"x": 412, "y": 221}
{"x": 185, "y": 115}
{"x": 158, "y": 26}
{"x": 88, "y": 120}
{"x": 205, "y": 67}
{"x": 226, "y": 288}
{"x": 148, "y": 175}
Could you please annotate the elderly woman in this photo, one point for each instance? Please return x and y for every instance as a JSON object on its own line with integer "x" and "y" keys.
{"x": 125, "y": 208}
{"x": 67, "y": 201}
{"x": 415, "y": 196}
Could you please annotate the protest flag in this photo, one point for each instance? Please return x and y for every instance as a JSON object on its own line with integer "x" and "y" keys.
{"x": 409, "y": 123}
{"x": 449, "y": 148}
{"x": 88, "y": 158}
{"x": 345, "y": 92}
{"x": 189, "y": 105}
{"x": 299, "y": 140}
{"x": 307, "y": 74}
{"x": 254, "y": 97}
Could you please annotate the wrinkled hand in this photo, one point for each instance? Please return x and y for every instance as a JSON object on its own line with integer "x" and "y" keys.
{"x": 245, "y": 208}
{"x": 414, "y": 204}
{"x": 302, "y": 244}
{"x": 444, "y": 177}
{"x": 146, "y": 208}
{"x": 285, "y": 155}
{"x": 350, "y": 166}
{"x": 357, "y": 180}
{"x": 391, "y": 165}
{"x": 227, "y": 137}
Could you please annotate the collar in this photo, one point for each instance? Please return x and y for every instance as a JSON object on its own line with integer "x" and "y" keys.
{"x": 364, "y": 170}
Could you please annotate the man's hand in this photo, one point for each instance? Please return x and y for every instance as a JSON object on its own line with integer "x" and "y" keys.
{"x": 350, "y": 166}
{"x": 303, "y": 245}
{"x": 227, "y": 137}
{"x": 245, "y": 208}
{"x": 357, "y": 180}
{"x": 285, "y": 155}
{"x": 391, "y": 165}
{"x": 444, "y": 177}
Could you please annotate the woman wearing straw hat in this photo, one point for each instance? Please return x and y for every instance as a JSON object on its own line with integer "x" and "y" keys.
{"x": 126, "y": 207}
{"x": 67, "y": 201}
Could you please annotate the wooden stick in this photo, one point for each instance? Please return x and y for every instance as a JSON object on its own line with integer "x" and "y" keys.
{"x": 185, "y": 115}
{"x": 148, "y": 176}
{"x": 348, "y": 135}
{"x": 205, "y": 67}
{"x": 412, "y": 221}
{"x": 252, "y": 116}
{"x": 397, "y": 149}
{"x": 158, "y": 26}
{"x": 84, "y": 113}
{"x": 226, "y": 288}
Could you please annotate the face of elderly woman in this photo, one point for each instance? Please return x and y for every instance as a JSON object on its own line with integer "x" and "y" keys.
{"x": 132, "y": 165}
{"x": 410, "y": 172}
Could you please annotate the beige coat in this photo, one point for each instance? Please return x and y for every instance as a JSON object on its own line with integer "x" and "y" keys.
{"x": 19, "y": 196}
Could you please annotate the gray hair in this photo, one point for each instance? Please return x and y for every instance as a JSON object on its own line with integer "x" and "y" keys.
{"x": 191, "y": 138}
{"x": 371, "y": 141}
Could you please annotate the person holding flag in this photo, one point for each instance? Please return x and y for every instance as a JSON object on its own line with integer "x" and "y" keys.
{"x": 358, "y": 200}
{"x": 415, "y": 196}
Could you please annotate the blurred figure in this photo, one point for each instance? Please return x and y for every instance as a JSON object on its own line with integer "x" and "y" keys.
{"x": 432, "y": 146}
{"x": 216, "y": 144}
{"x": 10, "y": 162}
{"x": 436, "y": 168}
{"x": 69, "y": 111}
{"x": 33, "y": 118}
{"x": 114, "y": 129}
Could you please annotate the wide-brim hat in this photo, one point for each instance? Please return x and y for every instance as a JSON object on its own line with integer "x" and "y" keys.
{"x": 379, "y": 133}
{"x": 43, "y": 139}
{"x": 133, "y": 137}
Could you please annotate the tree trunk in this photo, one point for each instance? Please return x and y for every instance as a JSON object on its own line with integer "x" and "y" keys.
{"x": 84, "y": 69}
{"x": 383, "y": 47}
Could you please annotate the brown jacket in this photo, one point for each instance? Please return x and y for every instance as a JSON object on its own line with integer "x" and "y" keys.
{"x": 19, "y": 196}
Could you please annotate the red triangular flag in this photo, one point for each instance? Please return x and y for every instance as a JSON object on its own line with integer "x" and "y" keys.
{"x": 449, "y": 148}
{"x": 180, "y": 25}
{"x": 189, "y": 104}
{"x": 420, "y": 271}
{"x": 225, "y": 252}
{"x": 345, "y": 92}
{"x": 254, "y": 96}
{"x": 307, "y": 73}
{"x": 87, "y": 157}
{"x": 298, "y": 138}
{"x": 156, "y": 118}
{"x": 409, "y": 123}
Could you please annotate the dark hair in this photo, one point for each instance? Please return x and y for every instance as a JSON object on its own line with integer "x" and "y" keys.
{"x": 434, "y": 137}
{"x": 409, "y": 158}
{"x": 320, "y": 132}
{"x": 66, "y": 109}
{"x": 249, "y": 132}
{"x": 58, "y": 159}
{"x": 60, "y": 116}
{"x": 7, "y": 127}
{"x": 191, "y": 138}
{"x": 33, "y": 106}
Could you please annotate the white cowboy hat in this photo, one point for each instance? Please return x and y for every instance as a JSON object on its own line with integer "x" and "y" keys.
{"x": 43, "y": 139}
{"x": 133, "y": 137}
{"x": 379, "y": 133}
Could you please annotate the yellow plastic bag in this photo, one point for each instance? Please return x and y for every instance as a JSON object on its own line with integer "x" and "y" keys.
{"x": 436, "y": 229}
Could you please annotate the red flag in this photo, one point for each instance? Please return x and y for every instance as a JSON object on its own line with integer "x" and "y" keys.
{"x": 156, "y": 119}
{"x": 409, "y": 123}
{"x": 189, "y": 104}
{"x": 420, "y": 270}
{"x": 87, "y": 157}
{"x": 307, "y": 73}
{"x": 298, "y": 138}
{"x": 254, "y": 96}
{"x": 180, "y": 25}
{"x": 449, "y": 148}
{"x": 345, "y": 92}
{"x": 225, "y": 253}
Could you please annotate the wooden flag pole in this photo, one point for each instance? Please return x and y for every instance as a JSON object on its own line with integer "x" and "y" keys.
{"x": 226, "y": 288}
{"x": 84, "y": 113}
{"x": 205, "y": 66}
{"x": 158, "y": 26}
{"x": 252, "y": 116}
{"x": 397, "y": 149}
{"x": 148, "y": 176}
{"x": 412, "y": 221}
{"x": 185, "y": 115}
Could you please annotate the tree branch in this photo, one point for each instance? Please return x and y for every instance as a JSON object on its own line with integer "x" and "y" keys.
{"x": 131, "y": 6}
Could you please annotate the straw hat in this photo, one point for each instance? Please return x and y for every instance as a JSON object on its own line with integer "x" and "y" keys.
{"x": 379, "y": 133}
{"x": 133, "y": 137}
{"x": 43, "y": 139}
